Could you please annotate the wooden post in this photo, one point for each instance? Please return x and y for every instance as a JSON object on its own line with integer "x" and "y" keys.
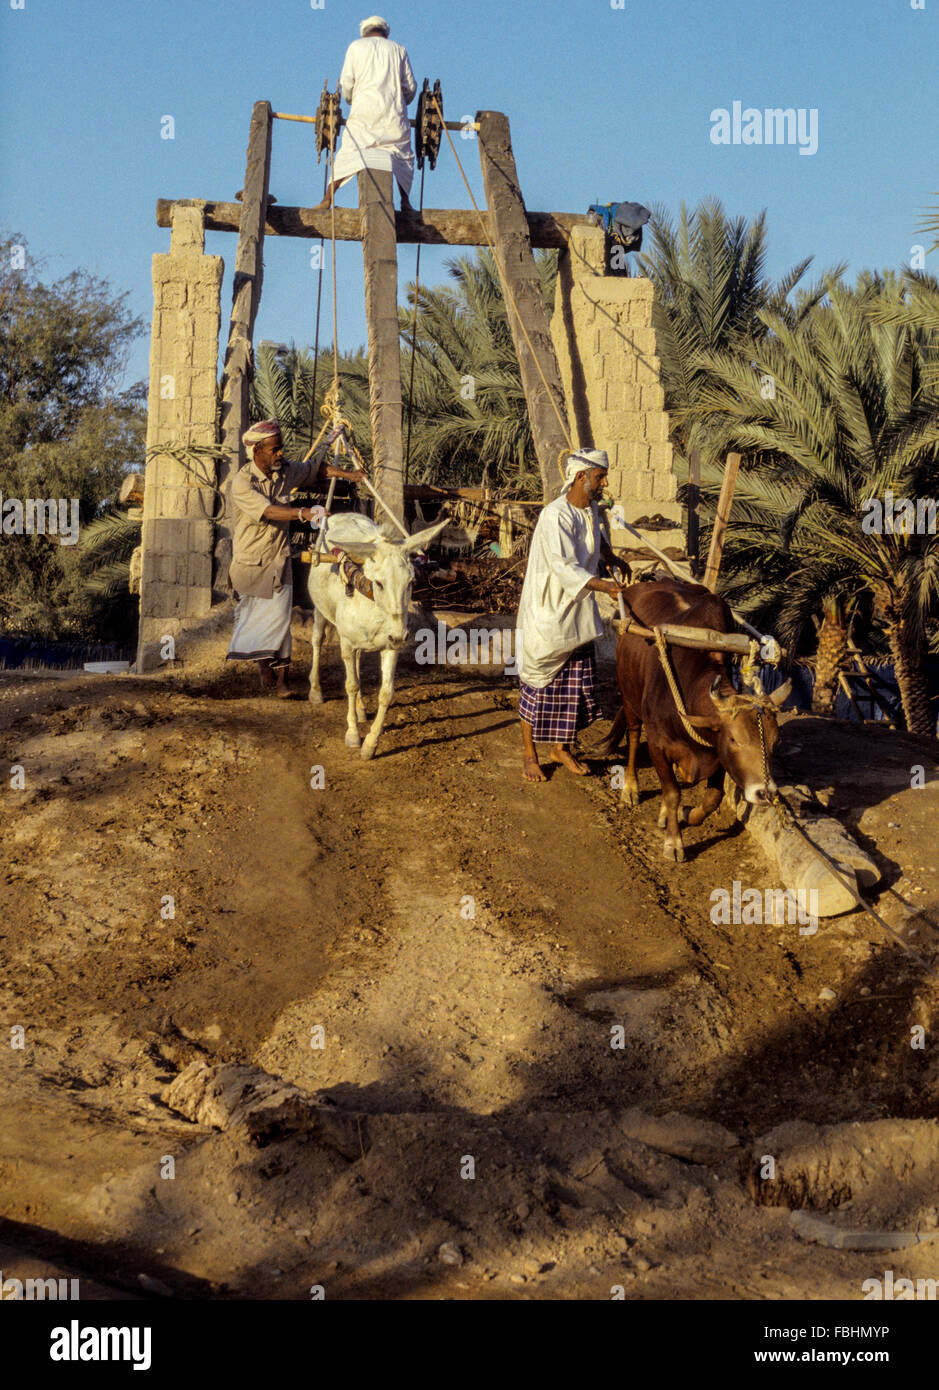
{"x": 380, "y": 253}
{"x": 694, "y": 493}
{"x": 720, "y": 521}
{"x": 511, "y": 240}
{"x": 246, "y": 296}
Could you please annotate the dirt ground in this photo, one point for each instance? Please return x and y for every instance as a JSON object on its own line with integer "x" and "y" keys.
{"x": 546, "y": 1072}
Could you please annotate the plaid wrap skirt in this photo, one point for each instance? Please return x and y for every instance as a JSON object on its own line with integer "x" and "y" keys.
{"x": 569, "y": 703}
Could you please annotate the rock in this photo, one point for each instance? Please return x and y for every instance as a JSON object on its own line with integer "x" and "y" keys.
{"x": 155, "y": 1286}
{"x": 827, "y": 993}
{"x": 800, "y": 868}
{"x": 450, "y": 1254}
{"x": 232, "y": 1096}
{"x": 682, "y": 1136}
{"x": 641, "y": 1264}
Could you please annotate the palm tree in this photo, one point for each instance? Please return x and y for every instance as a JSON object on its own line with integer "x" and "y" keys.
{"x": 710, "y": 291}
{"x": 283, "y": 385}
{"x": 852, "y": 417}
{"x": 470, "y": 422}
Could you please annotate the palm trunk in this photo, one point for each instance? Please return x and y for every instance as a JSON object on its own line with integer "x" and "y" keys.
{"x": 829, "y": 661}
{"x": 910, "y": 667}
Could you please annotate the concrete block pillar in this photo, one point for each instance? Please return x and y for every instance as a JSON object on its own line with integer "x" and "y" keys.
{"x": 179, "y": 501}
{"x": 605, "y": 343}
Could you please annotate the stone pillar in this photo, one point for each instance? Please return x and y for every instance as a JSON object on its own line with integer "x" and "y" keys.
{"x": 179, "y": 502}
{"x": 605, "y": 342}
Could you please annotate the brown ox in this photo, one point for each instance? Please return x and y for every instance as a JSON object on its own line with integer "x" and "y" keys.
{"x": 730, "y": 723}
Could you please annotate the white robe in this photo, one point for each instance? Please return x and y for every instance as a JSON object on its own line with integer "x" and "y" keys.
{"x": 557, "y": 614}
{"x": 378, "y": 83}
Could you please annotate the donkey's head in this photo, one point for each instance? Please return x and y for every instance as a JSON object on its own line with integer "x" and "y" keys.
{"x": 387, "y": 566}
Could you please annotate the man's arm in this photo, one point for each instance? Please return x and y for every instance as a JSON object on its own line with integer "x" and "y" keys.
{"x": 316, "y": 469}
{"x": 609, "y": 560}
{"x": 563, "y": 562}
{"x": 408, "y": 84}
{"x": 347, "y": 77}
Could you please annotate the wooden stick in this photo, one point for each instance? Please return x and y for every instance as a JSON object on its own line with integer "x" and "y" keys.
{"x": 701, "y": 638}
{"x": 403, "y": 529}
{"x": 720, "y": 521}
{"x": 433, "y": 226}
{"x": 694, "y": 488}
{"x": 311, "y": 120}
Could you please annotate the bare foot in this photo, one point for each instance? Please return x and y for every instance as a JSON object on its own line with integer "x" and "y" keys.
{"x": 560, "y": 754}
{"x": 531, "y": 772}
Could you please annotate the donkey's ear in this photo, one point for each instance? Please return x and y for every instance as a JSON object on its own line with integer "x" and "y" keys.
{"x": 422, "y": 539}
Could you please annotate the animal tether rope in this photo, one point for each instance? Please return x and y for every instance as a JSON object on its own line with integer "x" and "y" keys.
{"x": 666, "y": 661}
{"x": 417, "y": 291}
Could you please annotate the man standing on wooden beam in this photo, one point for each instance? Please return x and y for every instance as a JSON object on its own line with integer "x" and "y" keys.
{"x": 378, "y": 83}
{"x": 558, "y": 621}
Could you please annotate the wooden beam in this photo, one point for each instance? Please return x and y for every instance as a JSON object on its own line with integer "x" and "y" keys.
{"x": 724, "y": 504}
{"x": 246, "y": 296}
{"x": 380, "y": 254}
{"x": 435, "y": 227}
{"x": 311, "y": 120}
{"x": 512, "y": 244}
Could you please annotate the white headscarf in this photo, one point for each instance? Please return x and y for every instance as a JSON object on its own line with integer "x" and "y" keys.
{"x": 375, "y": 22}
{"x": 263, "y": 429}
{"x": 581, "y": 462}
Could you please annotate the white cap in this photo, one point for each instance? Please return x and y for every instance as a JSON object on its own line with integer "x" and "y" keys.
{"x": 375, "y": 22}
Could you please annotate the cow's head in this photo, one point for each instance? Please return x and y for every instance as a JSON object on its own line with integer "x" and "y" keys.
{"x": 736, "y": 722}
{"x": 386, "y": 564}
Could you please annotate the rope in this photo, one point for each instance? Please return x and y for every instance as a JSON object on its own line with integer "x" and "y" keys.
{"x": 665, "y": 659}
{"x": 508, "y": 292}
{"x": 319, "y": 301}
{"x": 417, "y": 288}
{"x": 332, "y": 204}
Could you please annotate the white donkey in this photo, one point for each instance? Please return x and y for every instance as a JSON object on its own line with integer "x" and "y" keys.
{"x": 376, "y": 624}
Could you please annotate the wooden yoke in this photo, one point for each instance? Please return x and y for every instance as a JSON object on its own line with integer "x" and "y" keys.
{"x": 246, "y": 296}
{"x": 511, "y": 240}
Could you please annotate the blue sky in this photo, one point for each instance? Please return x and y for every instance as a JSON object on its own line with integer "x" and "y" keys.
{"x": 604, "y": 104}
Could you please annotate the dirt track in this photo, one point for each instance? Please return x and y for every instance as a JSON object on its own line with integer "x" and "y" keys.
{"x": 466, "y": 942}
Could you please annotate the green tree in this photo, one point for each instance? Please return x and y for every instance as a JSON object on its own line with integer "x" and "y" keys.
{"x": 66, "y": 431}
{"x": 470, "y": 424}
{"x": 852, "y": 417}
{"x": 711, "y": 289}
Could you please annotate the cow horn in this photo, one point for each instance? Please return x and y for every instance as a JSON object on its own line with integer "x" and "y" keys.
{"x": 782, "y": 694}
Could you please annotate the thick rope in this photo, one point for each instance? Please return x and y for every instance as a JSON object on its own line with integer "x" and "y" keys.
{"x": 417, "y": 290}
{"x": 665, "y": 659}
{"x": 319, "y": 302}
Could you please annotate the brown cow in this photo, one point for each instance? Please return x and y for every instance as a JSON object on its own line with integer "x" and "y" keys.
{"x": 730, "y": 723}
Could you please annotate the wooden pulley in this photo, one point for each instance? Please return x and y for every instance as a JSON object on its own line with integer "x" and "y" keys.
{"x": 328, "y": 120}
{"x": 428, "y": 125}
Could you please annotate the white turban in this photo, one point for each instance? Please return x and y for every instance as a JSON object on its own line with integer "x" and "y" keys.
{"x": 263, "y": 429}
{"x": 376, "y": 22}
{"x": 581, "y": 462}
